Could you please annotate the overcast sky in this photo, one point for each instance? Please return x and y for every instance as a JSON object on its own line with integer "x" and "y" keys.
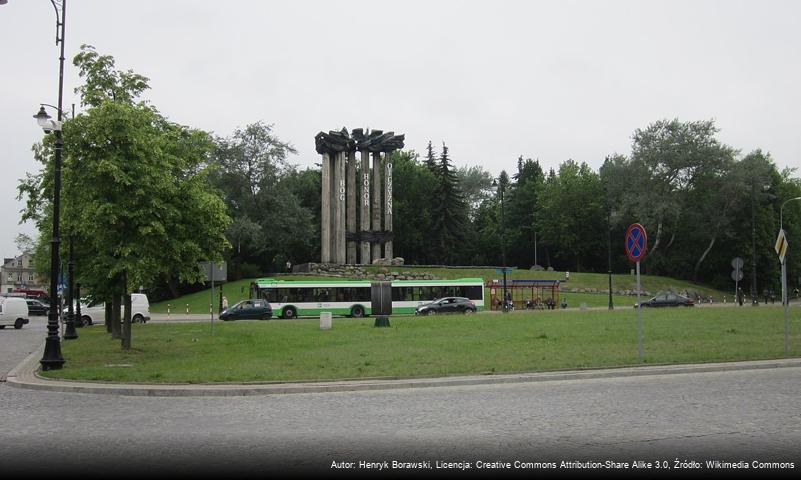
{"x": 492, "y": 79}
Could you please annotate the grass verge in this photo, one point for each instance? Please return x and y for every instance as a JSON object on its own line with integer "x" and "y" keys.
{"x": 490, "y": 343}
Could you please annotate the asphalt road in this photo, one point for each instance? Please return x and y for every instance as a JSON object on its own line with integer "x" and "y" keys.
{"x": 749, "y": 416}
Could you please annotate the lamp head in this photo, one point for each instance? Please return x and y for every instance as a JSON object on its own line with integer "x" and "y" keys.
{"x": 41, "y": 116}
{"x": 45, "y": 121}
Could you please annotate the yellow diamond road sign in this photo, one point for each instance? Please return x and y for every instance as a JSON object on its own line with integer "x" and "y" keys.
{"x": 781, "y": 245}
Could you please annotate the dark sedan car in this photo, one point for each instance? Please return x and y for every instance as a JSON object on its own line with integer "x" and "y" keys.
{"x": 36, "y": 307}
{"x": 248, "y": 309}
{"x": 447, "y": 305}
{"x": 668, "y": 300}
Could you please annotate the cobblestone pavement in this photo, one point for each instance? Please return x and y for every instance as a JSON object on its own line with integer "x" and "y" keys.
{"x": 747, "y": 415}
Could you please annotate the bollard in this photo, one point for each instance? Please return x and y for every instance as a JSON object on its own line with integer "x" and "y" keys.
{"x": 187, "y": 310}
{"x": 168, "y": 311}
{"x": 325, "y": 320}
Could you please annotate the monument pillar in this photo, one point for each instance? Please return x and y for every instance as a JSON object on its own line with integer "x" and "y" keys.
{"x": 364, "y": 206}
{"x": 388, "y": 204}
{"x": 339, "y": 209}
{"x": 325, "y": 213}
{"x": 350, "y": 187}
{"x": 376, "y": 250}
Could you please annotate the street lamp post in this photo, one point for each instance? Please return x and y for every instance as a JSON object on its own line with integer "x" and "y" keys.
{"x": 785, "y": 296}
{"x": 500, "y": 187}
{"x": 52, "y": 359}
{"x": 754, "y": 300}
{"x": 70, "y": 333}
{"x": 609, "y": 253}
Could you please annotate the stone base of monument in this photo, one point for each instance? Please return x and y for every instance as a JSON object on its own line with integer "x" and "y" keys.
{"x": 381, "y": 321}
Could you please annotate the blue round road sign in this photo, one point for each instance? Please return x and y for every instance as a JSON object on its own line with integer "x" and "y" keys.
{"x": 636, "y": 242}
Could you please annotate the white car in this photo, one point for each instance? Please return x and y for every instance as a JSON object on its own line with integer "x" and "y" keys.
{"x": 140, "y": 310}
{"x": 13, "y": 312}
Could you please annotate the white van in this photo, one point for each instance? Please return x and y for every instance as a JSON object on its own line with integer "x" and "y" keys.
{"x": 13, "y": 311}
{"x": 140, "y": 310}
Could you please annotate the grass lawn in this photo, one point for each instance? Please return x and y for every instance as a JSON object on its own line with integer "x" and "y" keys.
{"x": 292, "y": 350}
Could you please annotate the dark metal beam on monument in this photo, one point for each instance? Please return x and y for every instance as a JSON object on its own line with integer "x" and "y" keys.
{"x": 341, "y": 213}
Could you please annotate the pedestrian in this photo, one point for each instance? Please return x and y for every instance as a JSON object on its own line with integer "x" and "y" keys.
{"x": 772, "y": 296}
{"x": 288, "y": 266}
{"x": 765, "y": 294}
{"x": 564, "y": 302}
{"x": 225, "y": 302}
{"x": 740, "y": 296}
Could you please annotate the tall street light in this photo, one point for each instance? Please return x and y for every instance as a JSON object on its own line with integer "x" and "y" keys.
{"x": 499, "y": 187}
{"x": 52, "y": 359}
{"x": 785, "y": 296}
{"x": 764, "y": 188}
{"x": 609, "y": 253}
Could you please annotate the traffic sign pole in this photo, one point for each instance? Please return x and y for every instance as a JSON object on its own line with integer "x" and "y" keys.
{"x": 785, "y": 301}
{"x": 781, "y": 250}
{"x": 639, "y": 315}
{"x": 636, "y": 244}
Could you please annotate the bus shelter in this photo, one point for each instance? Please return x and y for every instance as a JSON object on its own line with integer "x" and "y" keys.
{"x": 526, "y": 294}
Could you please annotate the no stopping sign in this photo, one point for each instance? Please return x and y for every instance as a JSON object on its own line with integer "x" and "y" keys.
{"x": 636, "y": 242}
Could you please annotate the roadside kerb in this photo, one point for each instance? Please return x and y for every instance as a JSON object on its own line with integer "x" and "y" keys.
{"x": 25, "y": 375}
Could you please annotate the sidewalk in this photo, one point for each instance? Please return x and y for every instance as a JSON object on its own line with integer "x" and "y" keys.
{"x": 25, "y": 375}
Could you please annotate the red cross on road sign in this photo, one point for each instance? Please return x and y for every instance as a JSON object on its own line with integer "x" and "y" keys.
{"x": 636, "y": 242}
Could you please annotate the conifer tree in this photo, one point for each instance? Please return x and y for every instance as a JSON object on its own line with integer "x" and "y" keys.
{"x": 431, "y": 159}
{"x": 450, "y": 211}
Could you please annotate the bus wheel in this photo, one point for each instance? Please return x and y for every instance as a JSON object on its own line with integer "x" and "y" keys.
{"x": 290, "y": 312}
{"x": 357, "y": 311}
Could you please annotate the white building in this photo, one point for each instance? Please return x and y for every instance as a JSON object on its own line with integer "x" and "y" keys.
{"x": 18, "y": 273}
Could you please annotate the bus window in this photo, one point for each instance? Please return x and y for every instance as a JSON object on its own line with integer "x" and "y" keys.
{"x": 323, "y": 295}
{"x": 402, "y": 294}
{"x": 270, "y": 294}
{"x": 473, "y": 292}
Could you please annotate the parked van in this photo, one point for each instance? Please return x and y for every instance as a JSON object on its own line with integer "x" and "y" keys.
{"x": 13, "y": 311}
{"x": 140, "y": 310}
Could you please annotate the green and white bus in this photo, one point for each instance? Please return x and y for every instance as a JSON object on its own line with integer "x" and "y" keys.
{"x": 292, "y": 298}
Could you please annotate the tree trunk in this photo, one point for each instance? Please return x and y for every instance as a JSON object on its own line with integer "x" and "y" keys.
{"x": 657, "y": 239}
{"x": 116, "y": 301}
{"x": 109, "y": 320}
{"x": 126, "y": 323}
{"x": 173, "y": 287}
{"x": 652, "y": 251}
{"x": 126, "y": 318}
{"x": 672, "y": 237}
{"x": 703, "y": 256}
